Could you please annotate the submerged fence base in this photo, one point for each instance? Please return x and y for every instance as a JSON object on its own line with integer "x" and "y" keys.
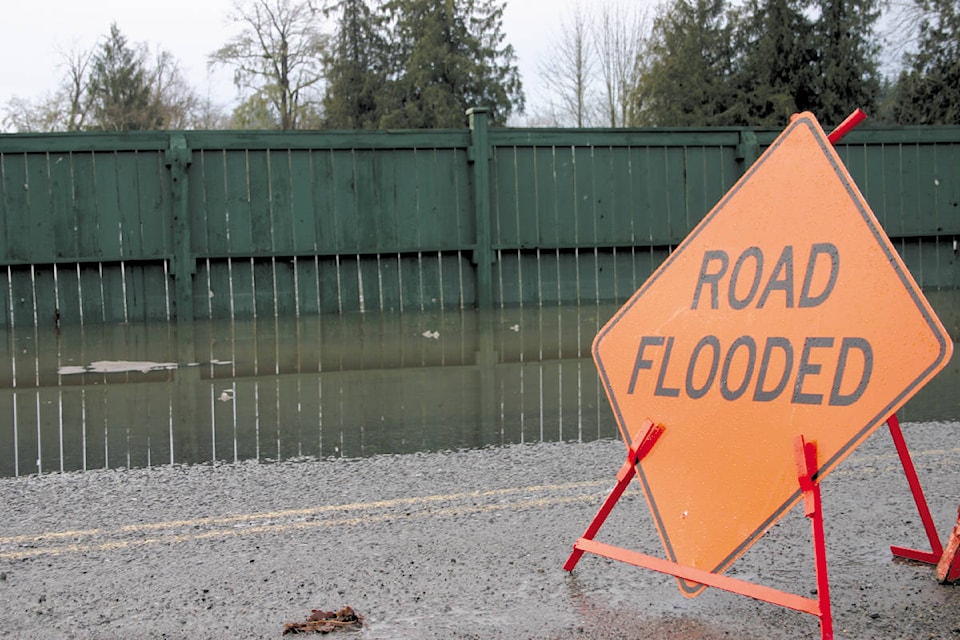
{"x": 276, "y": 388}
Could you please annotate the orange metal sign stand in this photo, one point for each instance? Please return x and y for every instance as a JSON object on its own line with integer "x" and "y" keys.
{"x": 806, "y": 458}
{"x": 932, "y": 556}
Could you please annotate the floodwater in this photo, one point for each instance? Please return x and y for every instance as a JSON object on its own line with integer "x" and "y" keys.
{"x": 339, "y": 385}
{"x": 350, "y": 385}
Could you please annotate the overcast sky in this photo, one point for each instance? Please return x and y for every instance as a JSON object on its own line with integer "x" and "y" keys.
{"x": 33, "y": 33}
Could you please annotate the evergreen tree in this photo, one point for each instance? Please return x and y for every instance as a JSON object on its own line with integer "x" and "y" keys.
{"x": 116, "y": 87}
{"x": 848, "y": 59}
{"x": 119, "y": 88}
{"x": 687, "y": 74}
{"x": 928, "y": 89}
{"x": 356, "y": 68}
{"x": 448, "y": 56}
{"x": 776, "y": 76}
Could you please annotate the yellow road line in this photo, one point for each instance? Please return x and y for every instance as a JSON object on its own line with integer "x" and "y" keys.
{"x": 111, "y": 545}
{"x": 239, "y": 519}
{"x": 308, "y": 511}
{"x": 246, "y": 524}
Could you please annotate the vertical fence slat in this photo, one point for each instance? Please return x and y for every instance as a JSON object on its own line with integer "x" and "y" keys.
{"x": 281, "y": 217}
{"x": 239, "y": 207}
{"x": 5, "y": 211}
{"x": 342, "y": 185}
{"x": 41, "y": 220}
{"x": 303, "y": 224}
{"x": 215, "y": 216}
{"x": 16, "y": 189}
{"x": 262, "y": 221}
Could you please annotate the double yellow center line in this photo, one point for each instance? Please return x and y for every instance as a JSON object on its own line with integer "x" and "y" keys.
{"x": 96, "y": 540}
{"x": 274, "y": 522}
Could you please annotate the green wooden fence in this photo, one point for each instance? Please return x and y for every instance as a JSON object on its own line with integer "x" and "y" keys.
{"x": 102, "y": 228}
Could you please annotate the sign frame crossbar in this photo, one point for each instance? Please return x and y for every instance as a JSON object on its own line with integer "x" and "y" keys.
{"x": 806, "y": 457}
{"x": 805, "y": 454}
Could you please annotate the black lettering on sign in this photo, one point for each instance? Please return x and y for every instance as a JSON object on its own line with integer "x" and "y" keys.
{"x": 761, "y": 394}
{"x": 751, "y": 346}
{"x": 780, "y": 282}
{"x": 669, "y": 392}
{"x": 711, "y": 276}
{"x": 817, "y": 250}
{"x": 735, "y": 369}
{"x": 757, "y": 255}
{"x": 714, "y": 344}
{"x": 838, "y": 399}
{"x": 747, "y": 275}
{"x": 642, "y": 363}
{"x": 807, "y": 368}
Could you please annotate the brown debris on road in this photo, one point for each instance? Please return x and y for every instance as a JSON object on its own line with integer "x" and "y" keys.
{"x": 346, "y": 619}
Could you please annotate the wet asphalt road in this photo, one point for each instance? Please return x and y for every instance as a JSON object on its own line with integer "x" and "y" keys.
{"x": 465, "y": 544}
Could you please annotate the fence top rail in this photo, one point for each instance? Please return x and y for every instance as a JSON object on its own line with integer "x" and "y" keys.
{"x": 88, "y": 141}
{"x": 80, "y": 142}
{"x": 615, "y": 137}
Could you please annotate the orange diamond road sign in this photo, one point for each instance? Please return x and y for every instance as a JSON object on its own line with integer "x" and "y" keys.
{"x": 785, "y": 312}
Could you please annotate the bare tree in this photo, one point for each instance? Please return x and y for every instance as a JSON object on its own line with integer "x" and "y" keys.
{"x": 22, "y": 115}
{"x": 619, "y": 38}
{"x": 594, "y": 63}
{"x": 65, "y": 109}
{"x": 898, "y": 30}
{"x": 210, "y": 115}
{"x": 182, "y": 107}
{"x": 568, "y": 72}
{"x": 74, "y": 87}
{"x": 278, "y": 56}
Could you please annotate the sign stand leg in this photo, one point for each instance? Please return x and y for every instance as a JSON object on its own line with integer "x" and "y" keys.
{"x": 932, "y": 557}
{"x": 624, "y": 476}
{"x": 948, "y": 569}
{"x": 806, "y": 458}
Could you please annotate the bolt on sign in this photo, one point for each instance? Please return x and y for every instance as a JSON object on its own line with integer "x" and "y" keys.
{"x": 785, "y": 312}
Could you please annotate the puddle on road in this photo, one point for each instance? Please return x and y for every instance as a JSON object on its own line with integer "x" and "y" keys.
{"x": 342, "y": 385}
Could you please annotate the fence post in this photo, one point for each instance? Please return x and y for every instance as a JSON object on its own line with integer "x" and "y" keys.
{"x": 479, "y": 156}
{"x": 182, "y": 265}
{"x": 748, "y": 149}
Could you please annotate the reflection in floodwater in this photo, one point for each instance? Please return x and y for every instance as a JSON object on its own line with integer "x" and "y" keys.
{"x": 341, "y": 385}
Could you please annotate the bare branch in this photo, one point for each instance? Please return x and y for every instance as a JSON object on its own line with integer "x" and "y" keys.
{"x": 568, "y": 74}
{"x": 278, "y": 55}
{"x": 619, "y": 40}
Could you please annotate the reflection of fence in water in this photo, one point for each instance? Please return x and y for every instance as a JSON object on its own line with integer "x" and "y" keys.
{"x": 349, "y": 385}
{"x": 340, "y": 384}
